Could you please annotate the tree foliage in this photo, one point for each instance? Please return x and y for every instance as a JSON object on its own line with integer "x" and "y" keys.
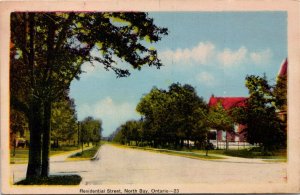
{"x": 91, "y": 130}
{"x": 221, "y": 119}
{"x": 48, "y": 50}
{"x": 170, "y": 117}
{"x": 280, "y": 94}
{"x": 128, "y": 132}
{"x": 260, "y": 116}
{"x": 64, "y": 121}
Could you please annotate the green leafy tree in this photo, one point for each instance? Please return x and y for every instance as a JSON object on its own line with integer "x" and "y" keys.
{"x": 221, "y": 119}
{"x": 91, "y": 130}
{"x": 172, "y": 116}
{"x": 49, "y": 48}
{"x": 63, "y": 121}
{"x": 263, "y": 124}
{"x": 154, "y": 107}
{"x": 280, "y": 95}
{"x": 117, "y": 136}
{"x": 128, "y": 132}
{"x": 189, "y": 113}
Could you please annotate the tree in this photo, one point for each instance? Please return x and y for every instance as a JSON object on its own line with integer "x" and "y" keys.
{"x": 220, "y": 119}
{"x": 91, "y": 130}
{"x": 172, "y": 116}
{"x": 263, "y": 125}
{"x": 49, "y": 49}
{"x": 189, "y": 113}
{"x": 280, "y": 95}
{"x": 154, "y": 107}
{"x": 128, "y": 132}
{"x": 63, "y": 121}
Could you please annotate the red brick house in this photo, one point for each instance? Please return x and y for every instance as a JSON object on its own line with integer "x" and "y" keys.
{"x": 232, "y": 102}
{"x": 228, "y": 103}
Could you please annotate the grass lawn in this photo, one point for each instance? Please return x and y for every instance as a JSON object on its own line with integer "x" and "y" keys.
{"x": 276, "y": 156}
{"x": 21, "y": 154}
{"x": 86, "y": 154}
{"x": 279, "y": 155}
{"x": 53, "y": 180}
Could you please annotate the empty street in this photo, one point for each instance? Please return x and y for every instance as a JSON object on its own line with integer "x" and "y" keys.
{"x": 118, "y": 166}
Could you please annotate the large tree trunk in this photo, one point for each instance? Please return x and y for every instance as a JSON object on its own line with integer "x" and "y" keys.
{"x": 35, "y": 124}
{"x": 47, "y": 103}
{"x": 46, "y": 139}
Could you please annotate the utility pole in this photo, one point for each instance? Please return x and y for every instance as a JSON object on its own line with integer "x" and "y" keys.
{"x": 81, "y": 139}
{"x": 78, "y": 133}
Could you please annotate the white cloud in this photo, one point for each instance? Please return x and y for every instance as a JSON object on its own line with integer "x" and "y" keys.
{"x": 206, "y": 53}
{"x": 229, "y": 58}
{"x": 198, "y": 54}
{"x": 206, "y": 78}
{"x": 110, "y": 112}
{"x": 261, "y": 57}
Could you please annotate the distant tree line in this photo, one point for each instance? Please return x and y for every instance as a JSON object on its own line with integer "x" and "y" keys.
{"x": 66, "y": 129}
{"x": 174, "y": 117}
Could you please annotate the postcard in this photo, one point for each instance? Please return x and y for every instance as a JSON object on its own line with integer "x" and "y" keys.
{"x": 149, "y": 97}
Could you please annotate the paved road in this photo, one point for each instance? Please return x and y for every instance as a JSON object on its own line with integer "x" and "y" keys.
{"x": 129, "y": 166}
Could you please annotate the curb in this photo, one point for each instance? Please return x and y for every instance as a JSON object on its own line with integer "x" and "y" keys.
{"x": 96, "y": 156}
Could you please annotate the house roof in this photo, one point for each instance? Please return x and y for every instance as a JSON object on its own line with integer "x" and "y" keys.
{"x": 228, "y": 102}
{"x": 283, "y": 68}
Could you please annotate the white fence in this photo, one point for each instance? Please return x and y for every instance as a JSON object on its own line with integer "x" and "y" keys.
{"x": 231, "y": 144}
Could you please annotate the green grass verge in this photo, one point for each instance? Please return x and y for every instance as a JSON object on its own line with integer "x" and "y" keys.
{"x": 86, "y": 154}
{"x": 21, "y": 154}
{"x": 255, "y": 153}
{"x": 275, "y": 160}
{"x": 64, "y": 148}
{"x": 275, "y": 156}
{"x": 52, "y": 180}
{"x": 187, "y": 154}
{"x": 280, "y": 155}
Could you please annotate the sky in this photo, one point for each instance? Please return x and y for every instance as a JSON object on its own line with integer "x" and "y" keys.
{"x": 212, "y": 51}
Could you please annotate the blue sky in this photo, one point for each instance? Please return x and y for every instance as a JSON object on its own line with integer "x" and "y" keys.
{"x": 212, "y": 51}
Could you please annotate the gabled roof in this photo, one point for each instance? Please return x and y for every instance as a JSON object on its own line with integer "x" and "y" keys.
{"x": 283, "y": 68}
{"x": 228, "y": 102}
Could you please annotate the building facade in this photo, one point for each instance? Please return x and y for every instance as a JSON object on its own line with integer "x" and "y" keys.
{"x": 237, "y": 135}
